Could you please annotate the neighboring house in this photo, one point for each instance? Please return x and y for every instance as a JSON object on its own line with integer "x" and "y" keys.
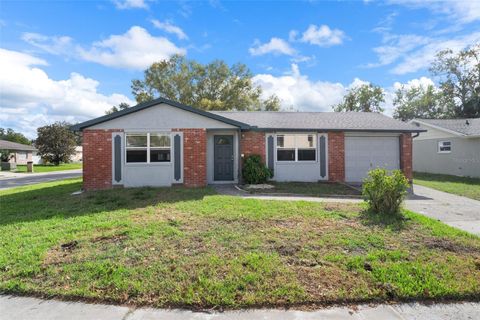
{"x": 451, "y": 146}
{"x": 76, "y": 157}
{"x": 162, "y": 142}
{"x": 21, "y": 153}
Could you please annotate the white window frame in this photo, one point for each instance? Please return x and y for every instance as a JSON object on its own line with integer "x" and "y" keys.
{"x": 148, "y": 148}
{"x": 315, "y": 141}
{"x": 440, "y": 145}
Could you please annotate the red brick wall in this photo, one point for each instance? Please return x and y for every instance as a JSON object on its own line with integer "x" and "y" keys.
{"x": 406, "y": 155}
{"x": 253, "y": 142}
{"x": 336, "y": 156}
{"x": 194, "y": 157}
{"x": 97, "y": 159}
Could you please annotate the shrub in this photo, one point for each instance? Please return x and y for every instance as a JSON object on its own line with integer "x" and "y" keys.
{"x": 385, "y": 192}
{"x": 255, "y": 171}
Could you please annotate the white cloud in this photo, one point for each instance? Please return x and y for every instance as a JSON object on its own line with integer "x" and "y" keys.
{"x": 422, "y": 82}
{"x": 299, "y": 92}
{"x": 275, "y": 46}
{"x": 170, "y": 28}
{"x": 459, "y": 11}
{"x": 321, "y": 36}
{"x": 130, "y": 4}
{"x": 136, "y": 49}
{"x": 30, "y": 98}
{"x": 410, "y": 53}
{"x": 53, "y": 45}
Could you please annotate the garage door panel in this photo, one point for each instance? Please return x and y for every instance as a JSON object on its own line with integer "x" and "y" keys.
{"x": 365, "y": 153}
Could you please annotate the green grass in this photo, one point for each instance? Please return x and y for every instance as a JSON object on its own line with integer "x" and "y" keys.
{"x": 176, "y": 247}
{"x": 49, "y": 168}
{"x": 312, "y": 189}
{"x": 462, "y": 186}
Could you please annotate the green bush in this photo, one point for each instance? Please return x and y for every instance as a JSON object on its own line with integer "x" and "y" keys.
{"x": 255, "y": 171}
{"x": 385, "y": 192}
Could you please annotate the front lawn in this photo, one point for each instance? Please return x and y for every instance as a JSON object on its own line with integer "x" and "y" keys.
{"x": 49, "y": 167}
{"x": 462, "y": 186}
{"x": 311, "y": 189}
{"x": 176, "y": 247}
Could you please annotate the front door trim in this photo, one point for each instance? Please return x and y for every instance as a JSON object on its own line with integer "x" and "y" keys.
{"x": 228, "y": 162}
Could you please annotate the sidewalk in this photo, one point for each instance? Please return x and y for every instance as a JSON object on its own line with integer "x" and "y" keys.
{"x": 19, "y": 308}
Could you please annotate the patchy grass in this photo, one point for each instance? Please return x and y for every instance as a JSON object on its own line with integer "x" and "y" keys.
{"x": 21, "y": 168}
{"x": 169, "y": 247}
{"x": 313, "y": 189}
{"x": 462, "y": 186}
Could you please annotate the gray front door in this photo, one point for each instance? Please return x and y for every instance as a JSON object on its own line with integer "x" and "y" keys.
{"x": 223, "y": 158}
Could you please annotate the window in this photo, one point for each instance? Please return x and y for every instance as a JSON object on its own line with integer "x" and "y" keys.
{"x": 444, "y": 146}
{"x": 159, "y": 148}
{"x": 306, "y": 147}
{"x": 22, "y": 155}
{"x": 147, "y": 147}
{"x": 296, "y": 147}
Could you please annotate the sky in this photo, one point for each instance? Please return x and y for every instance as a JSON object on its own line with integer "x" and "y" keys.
{"x": 73, "y": 60}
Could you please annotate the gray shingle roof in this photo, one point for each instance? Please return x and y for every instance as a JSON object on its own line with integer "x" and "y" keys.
{"x": 4, "y": 144}
{"x": 457, "y": 125}
{"x": 349, "y": 121}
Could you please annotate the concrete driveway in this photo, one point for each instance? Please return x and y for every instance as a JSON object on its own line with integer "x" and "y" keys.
{"x": 456, "y": 211}
{"x": 11, "y": 180}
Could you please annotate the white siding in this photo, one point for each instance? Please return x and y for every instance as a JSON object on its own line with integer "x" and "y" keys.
{"x": 463, "y": 160}
{"x": 161, "y": 117}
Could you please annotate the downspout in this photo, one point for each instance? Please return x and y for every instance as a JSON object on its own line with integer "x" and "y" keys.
{"x": 239, "y": 156}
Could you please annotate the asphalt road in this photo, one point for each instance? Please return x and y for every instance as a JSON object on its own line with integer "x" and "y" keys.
{"x": 27, "y": 179}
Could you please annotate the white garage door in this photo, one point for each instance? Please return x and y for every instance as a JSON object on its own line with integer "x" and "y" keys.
{"x": 365, "y": 153}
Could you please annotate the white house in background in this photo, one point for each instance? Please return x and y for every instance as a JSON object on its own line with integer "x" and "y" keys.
{"x": 450, "y": 146}
{"x": 76, "y": 157}
{"x": 20, "y": 153}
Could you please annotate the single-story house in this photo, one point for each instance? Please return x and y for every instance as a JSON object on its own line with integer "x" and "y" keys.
{"x": 21, "y": 153}
{"x": 160, "y": 143}
{"x": 451, "y": 146}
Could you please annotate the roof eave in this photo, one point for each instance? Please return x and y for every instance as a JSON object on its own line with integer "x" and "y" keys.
{"x": 456, "y": 133}
{"x": 338, "y": 130}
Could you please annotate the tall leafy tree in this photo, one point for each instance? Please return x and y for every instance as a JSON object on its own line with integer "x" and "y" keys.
{"x": 365, "y": 98}
{"x": 418, "y": 102}
{"x": 55, "y": 142}
{"x": 459, "y": 79}
{"x": 211, "y": 86}
{"x": 10, "y": 135}
{"x": 121, "y": 106}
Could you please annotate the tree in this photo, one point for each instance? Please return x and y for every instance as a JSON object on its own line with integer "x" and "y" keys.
{"x": 459, "y": 79}
{"x": 121, "y": 106}
{"x": 418, "y": 102}
{"x": 212, "y": 86}
{"x": 365, "y": 98}
{"x": 6, "y": 155}
{"x": 10, "y": 135}
{"x": 55, "y": 142}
